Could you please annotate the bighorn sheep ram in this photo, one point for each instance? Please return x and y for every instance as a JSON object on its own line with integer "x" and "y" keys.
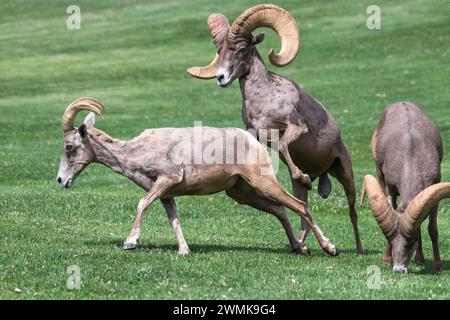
{"x": 152, "y": 161}
{"x": 310, "y": 137}
{"x": 407, "y": 150}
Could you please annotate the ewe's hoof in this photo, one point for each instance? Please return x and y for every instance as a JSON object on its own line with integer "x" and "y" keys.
{"x": 332, "y": 250}
{"x": 129, "y": 246}
{"x": 184, "y": 251}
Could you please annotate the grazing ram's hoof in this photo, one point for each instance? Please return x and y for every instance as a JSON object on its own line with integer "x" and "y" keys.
{"x": 183, "y": 251}
{"x": 437, "y": 266}
{"x": 419, "y": 259}
{"x": 361, "y": 251}
{"x": 129, "y": 245}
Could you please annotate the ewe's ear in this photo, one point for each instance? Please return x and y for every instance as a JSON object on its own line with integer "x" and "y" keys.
{"x": 89, "y": 121}
{"x": 82, "y": 130}
{"x": 258, "y": 39}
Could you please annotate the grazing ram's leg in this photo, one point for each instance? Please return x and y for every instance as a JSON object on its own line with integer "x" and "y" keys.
{"x": 160, "y": 186}
{"x": 433, "y": 232}
{"x": 419, "y": 257}
{"x": 171, "y": 209}
{"x": 387, "y": 258}
{"x": 242, "y": 193}
{"x": 291, "y": 133}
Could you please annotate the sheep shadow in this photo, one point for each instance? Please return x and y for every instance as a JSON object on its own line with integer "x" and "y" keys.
{"x": 427, "y": 268}
{"x": 211, "y": 248}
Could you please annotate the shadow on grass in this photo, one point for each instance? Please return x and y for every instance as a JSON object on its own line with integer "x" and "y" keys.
{"x": 207, "y": 248}
{"x": 428, "y": 267}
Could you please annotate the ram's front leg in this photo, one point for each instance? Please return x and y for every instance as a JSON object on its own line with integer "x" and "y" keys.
{"x": 161, "y": 185}
{"x": 171, "y": 209}
{"x": 292, "y": 133}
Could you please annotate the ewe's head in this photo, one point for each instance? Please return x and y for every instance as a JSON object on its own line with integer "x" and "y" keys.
{"x": 401, "y": 229}
{"x": 78, "y": 152}
{"x": 236, "y": 46}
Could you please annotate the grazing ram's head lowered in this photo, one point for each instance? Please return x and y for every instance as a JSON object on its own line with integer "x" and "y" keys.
{"x": 401, "y": 228}
{"x": 78, "y": 152}
{"x": 236, "y": 45}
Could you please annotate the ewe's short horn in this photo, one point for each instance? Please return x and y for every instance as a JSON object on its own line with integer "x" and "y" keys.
{"x": 382, "y": 210}
{"x": 420, "y": 206}
{"x": 276, "y": 18}
{"x": 218, "y": 26}
{"x": 80, "y": 104}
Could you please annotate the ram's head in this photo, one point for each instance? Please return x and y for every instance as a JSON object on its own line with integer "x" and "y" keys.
{"x": 236, "y": 45}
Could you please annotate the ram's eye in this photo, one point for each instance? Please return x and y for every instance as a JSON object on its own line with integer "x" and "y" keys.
{"x": 69, "y": 147}
{"x": 241, "y": 50}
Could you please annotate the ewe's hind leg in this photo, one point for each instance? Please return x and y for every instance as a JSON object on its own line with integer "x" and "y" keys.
{"x": 171, "y": 209}
{"x": 242, "y": 193}
{"x": 269, "y": 187}
{"x": 343, "y": 172}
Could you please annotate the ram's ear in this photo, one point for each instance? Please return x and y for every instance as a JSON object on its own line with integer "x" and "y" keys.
{"x": 258, "y": 39}
{"x": 82, "y": 130}
{"x": 89, "y": 121}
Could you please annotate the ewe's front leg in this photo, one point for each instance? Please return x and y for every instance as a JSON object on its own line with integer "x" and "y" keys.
{"x": 171, "y": 209}
{"x": 292, "y": 133}
{"x": 161, "y": 185}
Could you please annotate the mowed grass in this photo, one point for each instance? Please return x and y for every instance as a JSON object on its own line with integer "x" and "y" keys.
{"x": 132, "y": 56}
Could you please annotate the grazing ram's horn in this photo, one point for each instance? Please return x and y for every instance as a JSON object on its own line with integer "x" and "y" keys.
{"x": 208, "y": 72}
{"x": 386, "y": 216}
{"x": 420, "y": 206}
{"x": 276, "y": 18}
{"x": 80, "y": 104}
{"x": 218, "y": 26}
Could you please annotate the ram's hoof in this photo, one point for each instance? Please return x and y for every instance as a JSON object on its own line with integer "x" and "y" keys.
{"x": 302, "y": 249}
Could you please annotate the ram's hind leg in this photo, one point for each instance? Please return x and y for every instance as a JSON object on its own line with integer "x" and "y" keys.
{"x": 343, "y": 172}
{"x": 269, "y": 187}
{"x": 301, "y": 193}
{"x": 243, "y": 193}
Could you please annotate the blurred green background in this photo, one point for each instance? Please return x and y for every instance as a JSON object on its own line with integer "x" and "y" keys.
{"x": 132, "y": 56}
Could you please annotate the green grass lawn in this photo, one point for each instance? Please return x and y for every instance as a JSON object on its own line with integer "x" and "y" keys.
{"x": 132, "y": 56}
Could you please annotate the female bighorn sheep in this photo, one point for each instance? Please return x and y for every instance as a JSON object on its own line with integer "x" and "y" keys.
{"x": 407, "y": 150}
{"x": 310, "y": 138}
{"x": 153, "y": 161}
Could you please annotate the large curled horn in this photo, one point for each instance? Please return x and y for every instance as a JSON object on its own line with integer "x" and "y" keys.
{"x": 420, "y": 206}
{"x": 80, "y": 104}
{"x": 218, "y": 26}
{"x": 276, "y": 18}
{"x": 386, "y": 216}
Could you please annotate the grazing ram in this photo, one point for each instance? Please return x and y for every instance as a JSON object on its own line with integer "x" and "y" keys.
{"x": 407, "y": 150}
{"x": 310, "y": 137}
{"x": 160, "y": 161}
